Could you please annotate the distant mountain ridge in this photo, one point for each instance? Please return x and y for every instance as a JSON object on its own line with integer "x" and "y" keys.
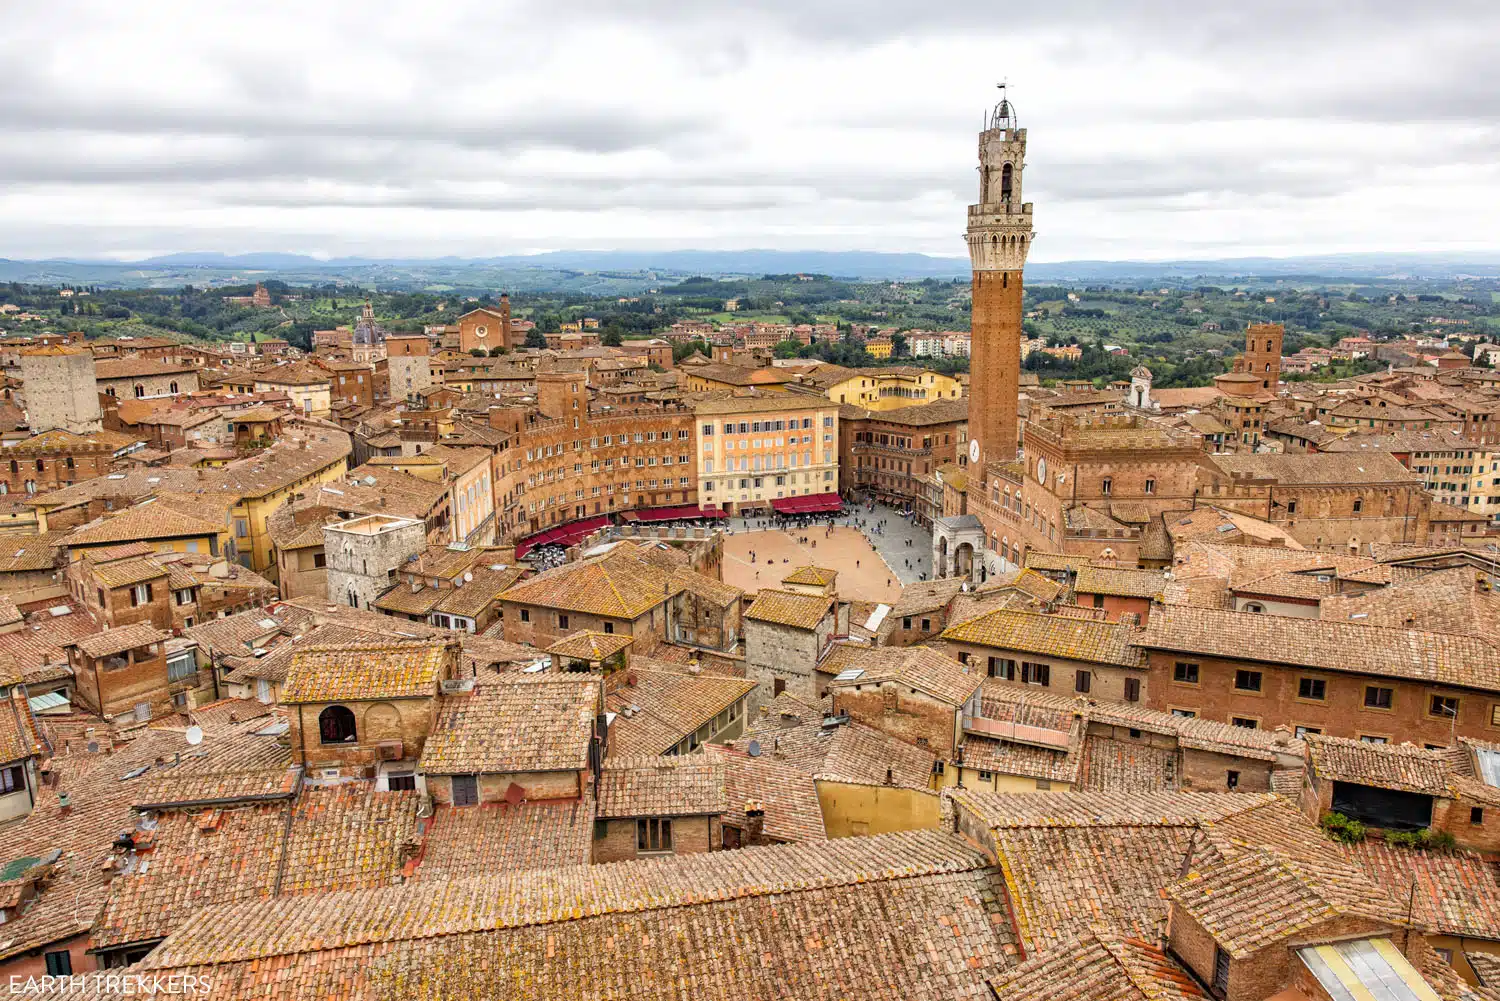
{"x": 547, "y": 269}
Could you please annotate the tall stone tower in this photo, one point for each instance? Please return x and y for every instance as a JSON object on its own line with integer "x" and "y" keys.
{"x": 505, "y": 332}
{"x": 60, "y": 389}
{"x": 999, "y": 238}
{"x": 1262, "y": 357}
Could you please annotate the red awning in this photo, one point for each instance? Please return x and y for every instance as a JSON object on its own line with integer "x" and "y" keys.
{"x": 822, "y": 503}
{"x": 562, "y": 535}
{"x": 811, "y": 504}
{"x": 677, "y": 513}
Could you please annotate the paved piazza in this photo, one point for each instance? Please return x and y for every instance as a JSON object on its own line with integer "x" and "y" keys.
{"x": 878, "y": 577}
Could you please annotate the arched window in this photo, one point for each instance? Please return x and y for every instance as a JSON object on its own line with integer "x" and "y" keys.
{"x": 1005, "y": 181}
{"x": 140, "y": 391}
{"x": 40, "y": 467}
{"x": 173, "y": 387}
{"x": 1268, "y": 345}
{"x": 336, "y": 725}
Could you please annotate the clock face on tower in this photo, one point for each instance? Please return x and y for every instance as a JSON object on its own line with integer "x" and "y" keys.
{"x": 974, "y": 450}
{"x": 1041, "y": 471}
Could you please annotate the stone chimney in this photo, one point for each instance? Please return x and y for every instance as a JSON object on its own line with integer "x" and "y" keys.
{"x": 755, "y": 823}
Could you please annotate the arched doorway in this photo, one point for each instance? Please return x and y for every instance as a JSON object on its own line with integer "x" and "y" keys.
{"x": 963, "y": 561}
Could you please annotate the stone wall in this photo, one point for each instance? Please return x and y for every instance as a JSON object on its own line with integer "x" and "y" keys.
{"x": 61, "y": 391}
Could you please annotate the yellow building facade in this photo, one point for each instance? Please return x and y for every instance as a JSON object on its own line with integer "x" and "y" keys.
{"x": 894, "y": 388}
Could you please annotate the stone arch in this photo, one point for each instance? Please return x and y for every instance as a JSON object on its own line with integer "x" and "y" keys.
{"x": 1007, "y": 180}
{"x": 963, "y": 560}
{"x": 382, "y": 722}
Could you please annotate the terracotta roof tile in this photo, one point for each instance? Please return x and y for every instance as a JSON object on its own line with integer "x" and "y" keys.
{"x": 665, "y": 706}
{"x": 919, "y": 667}
{"x": 515, "y": 723}
{"x": 374, "y": 670}
{"x": 658, "y": 786}
{"x": 792, "y": 732}
{"x": 920, "y": 918}
{"x": 619, "y": 584}
{"x": 1119, "y": 581}
{"x": 1104, "y": 965}
{"x": 787, "y": 795}
{"x": 784, "y": 608}
{"x": 1387, "y": 766}
{"x": 585, "y": 645}
{"x": 812, "y": 576}
{"x": 120, "y": 639}
{"x": 1332, "y": 646}
{"x": 150, "y": 521}
{"x": 497, "y": 838}
{"x": 1452, "y": 893}
{"x": 1053, "y": 635}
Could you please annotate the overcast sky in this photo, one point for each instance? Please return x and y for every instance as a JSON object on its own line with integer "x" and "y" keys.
{"x": 1157, "y": 129}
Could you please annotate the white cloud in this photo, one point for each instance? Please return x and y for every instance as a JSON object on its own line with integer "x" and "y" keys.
{"x": 1157, "y": 129}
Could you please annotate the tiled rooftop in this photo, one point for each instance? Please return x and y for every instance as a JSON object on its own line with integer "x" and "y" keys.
{"x": 515, "y": 723}
{"x": 664, "y": 706}
{"x": 1051, "y": 635}
{"x": 920, "y": 918}
{"x": 658, "y": 786}
{"x": 784, "y": 608}
{"x": 389, "y": 670}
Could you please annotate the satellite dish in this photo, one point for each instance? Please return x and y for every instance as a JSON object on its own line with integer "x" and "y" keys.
{"x": 753, "y": 749}
{"x": 194, "y": 735}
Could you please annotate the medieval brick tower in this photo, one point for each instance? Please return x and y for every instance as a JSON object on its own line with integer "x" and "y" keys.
{"x": 999, "y": 237}
{"x": 1262, "y": 357}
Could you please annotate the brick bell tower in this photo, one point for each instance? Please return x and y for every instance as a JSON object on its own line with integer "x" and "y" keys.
{"x": 999, "y": 237}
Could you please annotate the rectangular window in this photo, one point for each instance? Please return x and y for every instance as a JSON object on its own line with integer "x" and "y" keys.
{"x": 1184, "y": 713}
{"x": 1370, "y": 738}
{"x": 1185, "y": 672}
{"x": 1378, "y": 698}
{"x": 12, "y": 779}
{"x": 609, "y": 627}
{"x": 1081, "y": 681}
{"x": 1315, "y": 689}
{"x": 1002, "y": 668}
{"x": 1232, "y": 779}
{"x": 1476, "y": 816}
{"x": 525, "y": 615}
{"x": 562, "y": 621}
{"x": 1245, "y": 722}
{"x": 653, "y": 835}
{"x": 59, "y": 963}
{"x": 399, "y": 781}
{"x": 1247, "y": 681}
{"x": 1303, "y": 731}
{"x": 1150, "y": 486}
{"x": 1132, "y": 689}
{"x": 182, "y": 666}
{"x": 1443, "y": 706}
{"x": 1035, "y": 674}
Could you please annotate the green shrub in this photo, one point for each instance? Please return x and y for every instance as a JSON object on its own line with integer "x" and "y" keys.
{"x": 1405, "y": 839}
{"x": 1342, "y": 828}
{"x": 1438, "y": 841}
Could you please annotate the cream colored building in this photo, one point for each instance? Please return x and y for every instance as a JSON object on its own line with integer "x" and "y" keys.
{"x": 894, "y": 387}
{"x": 753, "y": 450}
